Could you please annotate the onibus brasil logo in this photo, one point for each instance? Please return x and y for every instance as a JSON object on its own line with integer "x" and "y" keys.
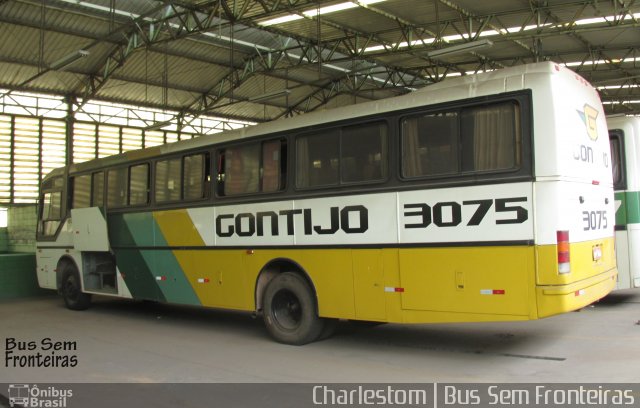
{"x": 31, "y": 396}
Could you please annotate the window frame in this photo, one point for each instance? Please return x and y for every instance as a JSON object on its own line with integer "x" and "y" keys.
{"x": 108, "y": 185}
{"x": 334, "y": 128}
{"x": 51, "y": 186}
{"x": 618, "y": 135}
{"x": 523, "y": 165}
{"x": 206, "y": 179}
{"x": 155, "y": 180}
{"x": 128, "y": 186}
{"x": 72, "y": 201}
{"x": 283, "y": 167}
{"x": 147, "y": 189}
{"x": 104, "y": 184}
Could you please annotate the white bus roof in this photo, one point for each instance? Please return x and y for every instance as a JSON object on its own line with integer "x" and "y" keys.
{"x": 468, "y": 86}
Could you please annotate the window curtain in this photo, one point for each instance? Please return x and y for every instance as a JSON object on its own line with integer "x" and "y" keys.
{"x": 411, "y": 148}
{"x": 302, "y": 164}
{"x": 494, "y": 135}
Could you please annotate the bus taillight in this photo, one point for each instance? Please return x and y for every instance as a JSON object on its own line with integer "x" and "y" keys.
{"x": 564, "y": 256}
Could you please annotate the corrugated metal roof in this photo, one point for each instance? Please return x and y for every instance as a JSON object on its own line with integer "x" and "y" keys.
{"x": 193, "y": 61}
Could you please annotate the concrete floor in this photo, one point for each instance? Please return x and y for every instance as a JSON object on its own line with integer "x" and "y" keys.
{"x": 123, "y": 341}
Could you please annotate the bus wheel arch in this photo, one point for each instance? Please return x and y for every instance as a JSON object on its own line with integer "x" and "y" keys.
{"x": 288, "y": 300}
{"x": 273, "y": 269}
{"x": 70, "y": 286}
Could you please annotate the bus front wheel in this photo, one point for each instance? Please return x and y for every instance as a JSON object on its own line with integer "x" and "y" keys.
{"x": 290, "y": 311}
{"x": 72, "y": 290}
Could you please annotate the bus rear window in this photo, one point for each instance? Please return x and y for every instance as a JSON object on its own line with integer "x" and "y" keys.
{"x": 467, "y": 140}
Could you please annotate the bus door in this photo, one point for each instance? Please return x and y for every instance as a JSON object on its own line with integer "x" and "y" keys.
{"x": 91, "y": 238}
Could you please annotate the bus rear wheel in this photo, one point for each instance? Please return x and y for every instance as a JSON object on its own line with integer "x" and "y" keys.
{"x": 290, "y": 312}
{"x": 71, "y": 289}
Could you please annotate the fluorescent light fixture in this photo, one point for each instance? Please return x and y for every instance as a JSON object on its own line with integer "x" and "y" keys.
{"x": 600, "y": 62}
{"x": 69, "y": 59}
{"x": 627, "y": 86}
{"x": 622, "y": 102}
{"x": 330, "y": 9}
{"x": 460, "y": 48}
{"x": 403, "y": 44}
{"x": 323, "y": 10}
{"x": 281, "y": 20}
{"x": 269, "y": 95}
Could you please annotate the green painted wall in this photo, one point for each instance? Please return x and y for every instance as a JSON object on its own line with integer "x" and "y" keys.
{"x": 4, "y": 240}
{"x": 18, "y": 276}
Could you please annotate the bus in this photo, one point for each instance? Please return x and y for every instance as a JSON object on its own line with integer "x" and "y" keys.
{"x": 486, "y": 197}
{"x": 624, "y": 136}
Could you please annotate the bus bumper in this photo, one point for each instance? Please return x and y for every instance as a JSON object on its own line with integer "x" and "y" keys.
{"x": 556, "y": 299}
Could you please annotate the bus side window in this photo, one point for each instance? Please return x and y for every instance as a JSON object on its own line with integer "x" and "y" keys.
{"x": 271, "y": 154}
{"x": 139, "y": 184}
{"x": 220, "y": 173}
{"x": 168, "y": 180}
{"x": 241, "y": 171}
{"x": 490, "y": 137}
{"x": 97, "y": 189}
{"x": 473, "y": 139}
{"x": 252, "y": 168}
{"x": 617, "y": 160}
{"x": 317, "y": 160}
{"x": 196, "y": 174}
{"x": 50, "y": 212}
{"x": 363, "y": 153}
{"x": 117, "y": 187}
{"x": 430, "y": 144}
{"x": 81, "y": 191}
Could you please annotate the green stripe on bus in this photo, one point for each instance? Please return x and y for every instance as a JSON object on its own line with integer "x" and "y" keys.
{"x": 131, "y": 263}
{"x": 161, "y": 266}
{"x": 628, "y": 209}
{"x": 174, "y": 284}
{"x": 139, "y": 279}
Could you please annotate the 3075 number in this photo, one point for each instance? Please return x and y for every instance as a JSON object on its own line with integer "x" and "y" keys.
{"x": 594, "y": 220}
{"x": 449, "y": 213}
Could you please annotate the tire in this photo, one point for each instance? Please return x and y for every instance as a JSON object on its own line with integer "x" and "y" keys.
{"x": 71, "y": 289}
{"x": 330, "y": 327}
{"x": 290, "y": 311}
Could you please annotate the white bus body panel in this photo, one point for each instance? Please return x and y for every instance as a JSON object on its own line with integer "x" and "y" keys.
{"x": 628, "y": 239}
{"x": 90, "y": 230}
{"x": 572, "y": 159}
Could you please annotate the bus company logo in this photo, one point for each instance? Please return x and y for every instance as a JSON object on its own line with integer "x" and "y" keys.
{"x": 31, "y": 396}
{"x": 588, "y": 114}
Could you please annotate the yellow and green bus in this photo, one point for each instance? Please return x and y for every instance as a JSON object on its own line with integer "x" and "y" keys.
{"x": 482, "y": 198}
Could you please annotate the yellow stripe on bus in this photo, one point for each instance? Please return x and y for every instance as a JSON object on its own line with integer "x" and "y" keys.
{"x": 177, "y": 228}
